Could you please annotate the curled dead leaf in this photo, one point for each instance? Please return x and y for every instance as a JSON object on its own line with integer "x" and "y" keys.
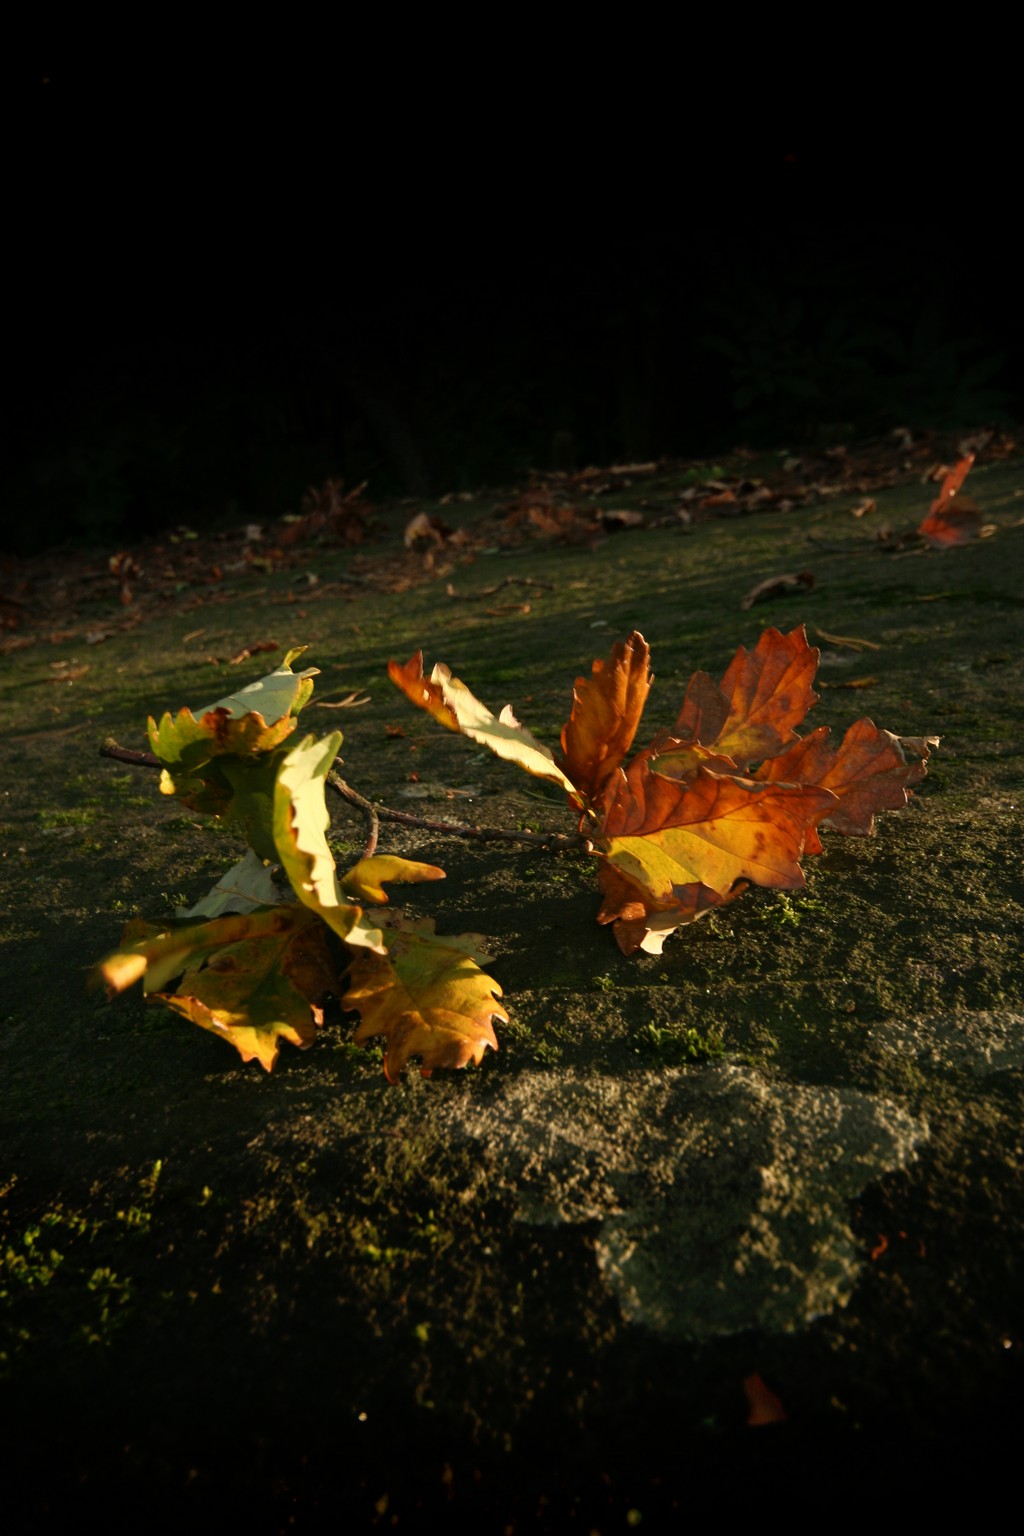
{"x": 779, "y": 586}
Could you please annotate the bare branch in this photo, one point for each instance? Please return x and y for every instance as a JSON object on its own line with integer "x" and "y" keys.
{"x": 556, "y": 842}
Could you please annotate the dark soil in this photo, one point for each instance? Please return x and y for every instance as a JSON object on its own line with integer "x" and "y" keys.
{"x": 541, "y": 1295}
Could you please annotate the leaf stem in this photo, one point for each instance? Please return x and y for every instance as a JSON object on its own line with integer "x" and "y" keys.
{"x": 555, "y": 842}
{"x": 110, "y": 748}
{"x": 551, "y": 840}
{"x": 369, "y": 811}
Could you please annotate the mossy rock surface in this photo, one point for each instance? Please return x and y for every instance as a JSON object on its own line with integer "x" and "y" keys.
{"x": 786, "y": 1151}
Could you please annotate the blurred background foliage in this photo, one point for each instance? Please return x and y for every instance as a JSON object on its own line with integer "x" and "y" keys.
{"x": 216, "y": 391}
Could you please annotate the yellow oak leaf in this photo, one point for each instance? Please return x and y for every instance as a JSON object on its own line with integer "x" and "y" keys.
{"x": 426, "y": 996}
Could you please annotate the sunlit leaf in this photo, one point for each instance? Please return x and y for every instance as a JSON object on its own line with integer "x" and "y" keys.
{"x": 606, "y": 711}
{"x": 426, "y": 693}
{"x": 950, "y": 520}
{"x": 364, "y": 881}
{"x": 713, "y": 829}
{"x": 213, "y": 755}
{"x": 427, "y": 997}
{"x": 639, "y": 921}
{"x": 452, "y": 704}
{"x": 764, "y": 694}
{"x": 683, "y": 846}
{"x": 280, "y": 693}
{"x": 253, "y": 979}
{"x": 869, "y": 771}
{"x": 245, "y": 886}
{"x": 300, "y": 820}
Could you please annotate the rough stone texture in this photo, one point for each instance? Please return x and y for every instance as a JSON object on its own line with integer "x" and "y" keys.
{"x": 721, "y": 1196}
{"x": 982, "y": 1041}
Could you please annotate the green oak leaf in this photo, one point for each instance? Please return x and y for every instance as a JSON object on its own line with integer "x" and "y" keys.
{"x": 209, "y": 755}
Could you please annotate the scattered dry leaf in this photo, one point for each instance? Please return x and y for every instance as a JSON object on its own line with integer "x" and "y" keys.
{"x": 847, "y": 642}
{"x": 779, "y": 586}
{"x": 764, "y": 1407}
{"x": 948, "y": 524}
{"x": 256, "y": 649}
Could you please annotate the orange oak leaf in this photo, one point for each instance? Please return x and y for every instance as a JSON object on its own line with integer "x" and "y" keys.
{"x": 453, "y": 705}
{"x": 425, "y": 692}
{"x": 666, "y": 836}
{"x": 751, "y": 714}
{"x": 869, "y": 771}
{"x": 950, "y": 521}
{"x": 640, "y": 922}
{"x": 427, "y": 996}
{"x": 606, "y": 711}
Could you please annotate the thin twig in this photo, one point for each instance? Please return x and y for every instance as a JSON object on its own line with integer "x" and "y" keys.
{"x": 110, "y": 748}
{"x": 369, "y": 811}
{"x": 554, "y": 841}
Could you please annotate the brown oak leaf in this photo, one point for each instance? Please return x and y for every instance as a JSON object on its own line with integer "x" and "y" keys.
{"x": 869, "y": 771}
{"x": 951, "y": 521}
{"x": 751, "y": 714}
{"x": 606, "y": 711}
{"x": 667, "y": 836}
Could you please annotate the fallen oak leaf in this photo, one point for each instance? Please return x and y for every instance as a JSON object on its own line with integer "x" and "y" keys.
{"x": 424, "y": 692}
{"x": 750, "y": 715}
{"x": 606, "y": 712}
{"x": 264, "y": 989}
{"x": 641, "y": 922}
{"x": 427, "y": 996}
{"x": 300, "y": 822}
{"x": 869, "y": 771}
{"x": 946, "y": 524}
{"x": 279, "y": 694}
{"x": 254, "y": 979}
{"x": 712, "y": 830}
{"x": 682, "y": 827}
{"x": 364, "y": 881}
{"x": 452, "y": 704}
{"x": 957, "y": 524}
{"x": 220, "y": 758}
{"x": 246, "y": 886}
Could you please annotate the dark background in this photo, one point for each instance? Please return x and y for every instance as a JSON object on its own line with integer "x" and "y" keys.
{"x": 222, "y": 290}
